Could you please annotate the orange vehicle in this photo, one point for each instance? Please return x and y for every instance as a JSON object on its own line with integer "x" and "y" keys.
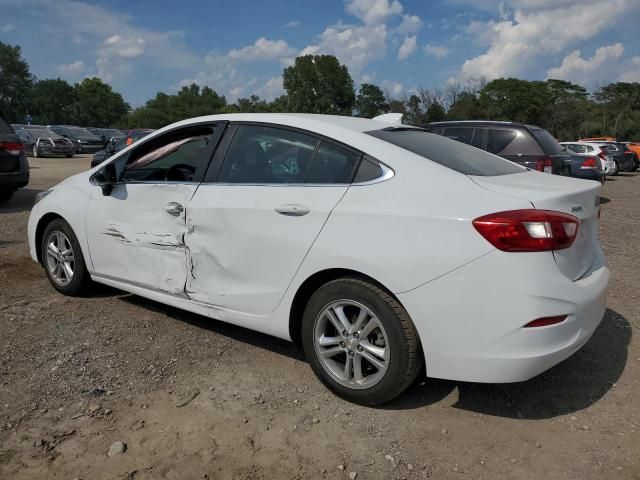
{"x": 598, "y": 139}
{"x": 634, "y": 147}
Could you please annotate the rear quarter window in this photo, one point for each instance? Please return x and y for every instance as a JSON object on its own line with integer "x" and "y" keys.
{"x": 449, "y": 153}
{"x": 5, "y": 128}
{"x": 549, "y": 144}
{"x": 499, "y": 139}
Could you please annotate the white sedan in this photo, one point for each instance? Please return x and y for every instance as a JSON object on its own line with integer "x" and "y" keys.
{"x": 380, "y": 248}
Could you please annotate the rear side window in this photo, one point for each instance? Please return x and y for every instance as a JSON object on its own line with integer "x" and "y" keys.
{"x": 368, "y": 171}
{"x": 461, "y": 134}
{"x": 546, "y": 141}
{"x": 332, "y": 164}
{"x": 451, "y": 154}
{"x": 499, "y": 139}
{"x": 5, "y": 128}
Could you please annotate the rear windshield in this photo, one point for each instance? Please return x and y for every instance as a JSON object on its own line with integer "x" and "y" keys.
{"x": 549, "y": 144}
{"x": 449, "y": 153}
{"x": 5, "y": 128}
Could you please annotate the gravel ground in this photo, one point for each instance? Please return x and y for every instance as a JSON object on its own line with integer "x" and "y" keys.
{"x": 188, "y": 397}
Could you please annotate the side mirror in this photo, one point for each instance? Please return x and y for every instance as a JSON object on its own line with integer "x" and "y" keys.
{"x": 106, "y": 178}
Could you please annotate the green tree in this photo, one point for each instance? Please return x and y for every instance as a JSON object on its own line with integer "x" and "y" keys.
{"x": 189, "y": 102}
{"x": 620, "y": 109}
{"x": 566, "y": 109}
{"x": 465, "y": 107}
{"x": 414, "y": 114}
{"x": 319, "y": 84}
{"x": 97, "y": 105}
{"x": 515, "y": 100}
{"x": 15, "y": 82}
{"x": 52, "y": 101}
{"x": 435, "y": 113}
{"x": 370, "y": 101}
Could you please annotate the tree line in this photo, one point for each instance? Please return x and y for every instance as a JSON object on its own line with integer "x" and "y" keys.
{"x": 320, "y": 84}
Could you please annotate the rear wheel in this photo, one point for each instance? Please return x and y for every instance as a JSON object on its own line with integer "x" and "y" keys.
{"x": 69, "y": 155}
{"x": 62, "y": 259}
{"x": 360, "y": 341}
{"x": 34, "y": 151}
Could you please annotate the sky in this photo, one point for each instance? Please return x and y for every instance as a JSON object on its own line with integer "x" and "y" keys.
{"x": 241, "y": 47}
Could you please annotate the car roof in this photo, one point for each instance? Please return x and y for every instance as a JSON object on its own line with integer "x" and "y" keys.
{"x": 480, "y": 122}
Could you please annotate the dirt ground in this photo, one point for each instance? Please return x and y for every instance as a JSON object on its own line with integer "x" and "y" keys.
{"x": 194, "y": 398}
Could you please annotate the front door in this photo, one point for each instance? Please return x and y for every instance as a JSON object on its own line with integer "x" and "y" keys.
{"x": 136, "y": 234}
{"x": 254, "y": 224}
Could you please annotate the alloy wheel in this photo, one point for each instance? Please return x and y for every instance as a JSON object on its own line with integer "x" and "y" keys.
{"x": 60, "y": 258}
{"x": 351, "y": 344}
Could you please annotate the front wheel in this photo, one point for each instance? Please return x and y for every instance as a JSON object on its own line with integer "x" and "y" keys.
{"x": 360, "y": 341}
{"x": 62, "y": 259}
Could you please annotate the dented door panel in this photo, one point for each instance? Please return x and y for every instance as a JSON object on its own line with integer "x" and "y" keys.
{"x": 133, "y": 237}
{"x": 246, "y": 242}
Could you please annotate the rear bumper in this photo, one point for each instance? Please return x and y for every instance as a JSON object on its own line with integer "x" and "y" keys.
{"x": 87, "y": 148}
{"x": 471, "y": 321}
{"x": 15, "y": 180}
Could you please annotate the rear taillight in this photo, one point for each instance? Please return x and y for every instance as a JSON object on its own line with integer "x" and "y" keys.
{"x": 589, "y": 164}
{"x": 528, "y": 230}
{"x": 602, "y": 155}
{"x": 14, "y": 148}
{"x": 628, "y": 152}
{"x": 546, "y": 321}
{"x": 544, "y": 165}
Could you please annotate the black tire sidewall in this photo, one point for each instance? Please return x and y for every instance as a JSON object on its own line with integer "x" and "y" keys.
{"x": 400, "y": 366}
{"x": 80, "y": 274}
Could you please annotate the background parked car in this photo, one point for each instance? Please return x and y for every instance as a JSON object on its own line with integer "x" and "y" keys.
{"x": 25, "y": 137}
{"x": 635, "y": 148}
{"x": 83, "y": 139}
{"x": 106, "y": 134}
{"x": 114, "y": 147}
{"x": 624, "y": 158}
{"x": 600, "y": 150}
{"x": 14, "y": 168}
{"x": 47, "y": 143}
{"x": 527, "y": 145}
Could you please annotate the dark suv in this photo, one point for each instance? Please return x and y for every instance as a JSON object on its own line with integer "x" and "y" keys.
{"x": 527, "y": 145}
{"x": 83, "y": 139}
{"x": 14, "y": 168}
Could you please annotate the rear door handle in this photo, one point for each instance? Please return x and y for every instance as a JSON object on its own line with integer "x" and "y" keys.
{"x": 173, "y": 208}
{"x": 292, "y": 210}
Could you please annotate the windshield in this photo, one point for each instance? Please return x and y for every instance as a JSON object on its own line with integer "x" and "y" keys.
{"x": 452, "y": 154}
{"x": 44, "y": 133}
{"x": 80, "y": 132}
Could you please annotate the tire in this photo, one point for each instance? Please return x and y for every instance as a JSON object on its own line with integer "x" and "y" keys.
{"x": 5, "y": 195}
{"x": 34, "y": 151}
{"x": 69, "y": 155}
{"x": 392, "y": 336}
{"x": 617, "y": 169}
{"x": 79, "y": 280}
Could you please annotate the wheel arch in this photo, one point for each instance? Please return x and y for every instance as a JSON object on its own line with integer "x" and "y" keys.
{"x": 45, "y": 220}
{"x": 311, "y": 285}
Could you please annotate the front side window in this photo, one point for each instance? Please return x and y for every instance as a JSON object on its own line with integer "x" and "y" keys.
{"x": 269, "y": 155}
{"x": 180, "y": 156}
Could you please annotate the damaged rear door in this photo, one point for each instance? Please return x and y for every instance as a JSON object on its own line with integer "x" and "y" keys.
{"x": 136, "y": 234}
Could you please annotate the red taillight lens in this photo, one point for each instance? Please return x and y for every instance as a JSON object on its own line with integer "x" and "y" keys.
{"x": 544, "y": 165}
{"x": 589, "y": 163}
{"x": 546, "y": 321}
{"x": 528, "y": 230}
{"x": 602, "y": 155}
{"x": 14, "y": 148}
{"x": 628, "y": 152}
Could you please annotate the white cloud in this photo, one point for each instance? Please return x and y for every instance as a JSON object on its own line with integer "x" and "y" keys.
{"x": 73, "y": 69}
{"x": 272, "y": 88}
{"x": 410, "y": 24}
{"x": 7, "y": 27}
{"x": 535, "y": 29}
{"x": 374, "y": 11}
{"x": 407, "y": 48}
{"x": 574, "y": 67}
{"x": 395, "y": 89}
{"x": 632, "y": 75}
{"x": 262, "y": 49}
{"x": 354, "y": 46}
{"x": 438, "y": 51}
{"x": 117, "y": 46}
{"x": 292, "y": 24}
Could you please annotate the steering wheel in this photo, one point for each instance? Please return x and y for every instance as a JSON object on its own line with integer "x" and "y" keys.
{"x": 179, "y": 172}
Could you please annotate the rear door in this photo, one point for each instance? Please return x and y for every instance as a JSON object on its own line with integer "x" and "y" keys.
{"x": 11, "y": 148}
{"x": 256, "y": 216}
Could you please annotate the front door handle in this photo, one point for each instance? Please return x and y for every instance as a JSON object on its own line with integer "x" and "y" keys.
{"x": 173, "y": 208}
{"x": 292, "y": 210}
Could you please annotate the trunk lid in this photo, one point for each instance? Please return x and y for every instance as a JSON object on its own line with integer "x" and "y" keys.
{"x": 576, "y": 197}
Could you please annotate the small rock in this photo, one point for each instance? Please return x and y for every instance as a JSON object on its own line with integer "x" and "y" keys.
{"x": 444, "y": 431}
{"x": 117, "y": 448}
{"x": 77, "y": 415}
{"x": 245, "y": 420}
{"x": 315, "y": 420}
{"x": 94, "y": 408}
{"x": 573, "y": 419}
{"x": 514, "y": 460}
{"x": 340, "y": 467}
{"x": 389, "y": 457}
{"x": 145, "y": 406}
{"x": 353, "y": 475}
{"x": 137, "y": 425}
{"x": 409, "y": 466}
